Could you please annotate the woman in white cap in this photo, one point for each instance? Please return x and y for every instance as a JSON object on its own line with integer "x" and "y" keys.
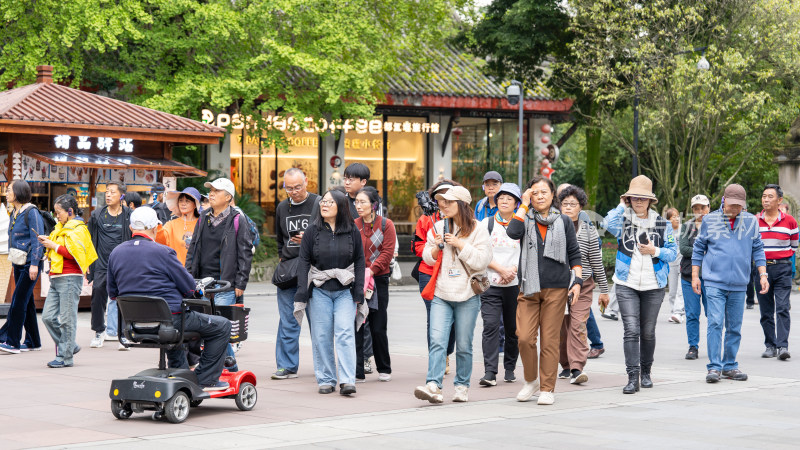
{"x": 499, "y": 302}
{"x": 692, "y": 301}
{"x": 462, "y": 246}
{"x": 646, "y": 246}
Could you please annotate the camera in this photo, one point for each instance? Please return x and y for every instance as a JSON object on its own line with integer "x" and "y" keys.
{"x": 426, "y": 203}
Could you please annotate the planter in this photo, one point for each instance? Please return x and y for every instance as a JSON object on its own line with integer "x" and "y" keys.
{"x": 262, "y": 271}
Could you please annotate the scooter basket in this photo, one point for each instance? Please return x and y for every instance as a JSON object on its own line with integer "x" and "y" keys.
{"x": 240, "y": 319}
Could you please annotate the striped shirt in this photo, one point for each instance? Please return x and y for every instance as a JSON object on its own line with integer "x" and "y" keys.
{"x": 780, "y": 239}
{"x": 591, "y": 256}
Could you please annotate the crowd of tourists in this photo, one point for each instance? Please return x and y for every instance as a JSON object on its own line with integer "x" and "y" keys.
{"x": 527, "y": 259}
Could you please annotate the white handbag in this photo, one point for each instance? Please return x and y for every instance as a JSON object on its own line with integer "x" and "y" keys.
{"x": 17, "y": 257}
{"x": 397, "y": 275}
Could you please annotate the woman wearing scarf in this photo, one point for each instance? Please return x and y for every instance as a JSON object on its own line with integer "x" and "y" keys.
{"x": 550, "y": 274}
{"x": 646, "y": 246}
{"x": 177, "y": 233}
{"x": 71, "y": 252}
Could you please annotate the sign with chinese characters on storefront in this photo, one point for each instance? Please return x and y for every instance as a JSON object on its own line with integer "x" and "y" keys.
{"x": 64, "y": 141}
{"x": 310, "y": 125}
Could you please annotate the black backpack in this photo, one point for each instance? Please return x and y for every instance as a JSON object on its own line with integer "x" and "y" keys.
{"x": 48, "y": 220}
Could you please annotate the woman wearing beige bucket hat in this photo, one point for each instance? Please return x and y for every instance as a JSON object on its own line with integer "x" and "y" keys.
{"x": 646, "y": 246}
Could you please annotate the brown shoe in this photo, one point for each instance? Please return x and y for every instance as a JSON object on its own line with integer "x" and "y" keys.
{"x": 595, "y": 353}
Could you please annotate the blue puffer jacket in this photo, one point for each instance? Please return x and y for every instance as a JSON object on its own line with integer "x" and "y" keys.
{"x": 22, "y": 237}
{"x": 618, "y": 223}
{"x": 724, "y": 254}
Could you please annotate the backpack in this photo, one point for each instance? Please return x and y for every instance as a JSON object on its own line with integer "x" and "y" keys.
{"x": 251, "y": 225}
{"x": 48, "y": 220}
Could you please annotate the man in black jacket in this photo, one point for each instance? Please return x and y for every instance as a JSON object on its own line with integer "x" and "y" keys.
{"x": 109, "y": 227}
{"x": 158, "y": 204}
{"x": 292, "y": 217}
{"x": 222, "y": 245}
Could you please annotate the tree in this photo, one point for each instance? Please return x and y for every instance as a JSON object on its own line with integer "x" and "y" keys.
{"x": 699, "y": 128}
{"x": 302, "y": 58}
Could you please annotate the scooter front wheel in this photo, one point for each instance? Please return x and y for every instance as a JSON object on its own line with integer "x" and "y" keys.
{"x": 176, "y": 409}
{"x": 119, "y": 411}
{"x": 247, "y": 397}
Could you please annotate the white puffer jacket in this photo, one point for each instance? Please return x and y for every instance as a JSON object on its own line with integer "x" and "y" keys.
{"x": 452, "y": 283}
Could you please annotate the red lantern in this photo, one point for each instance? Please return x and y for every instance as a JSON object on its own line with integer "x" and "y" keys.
{"x": 545, "y": 152}
{"x": 545, "y": 139}
{"x": 545, "y": 171}
{"x": 546, "y": 128}
{"x": 545, "y": 162}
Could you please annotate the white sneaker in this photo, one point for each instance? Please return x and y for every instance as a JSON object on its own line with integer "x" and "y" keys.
{"x": 97, "y": 341}
{"x": 462, "y": 394}
{"x": 429, "y": 392}
{"x": 528, "y": 389}
{"x": 384, "y": 377}
{"x": 676, "y": 318}
{"x": 122, "y": 348}
{"x": 236, "y": 347}
{"x": 546, "y": 398}
{"x": 109, "y": 337}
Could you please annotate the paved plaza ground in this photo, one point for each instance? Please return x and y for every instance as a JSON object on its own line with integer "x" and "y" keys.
{"x": 42, "y": 407}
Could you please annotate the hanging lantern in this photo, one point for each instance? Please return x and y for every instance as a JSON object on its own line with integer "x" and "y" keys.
{"x": 545, "y": 139}
{"x": 546, "y": 128}
{"x": 545, "y": 152}
{"x": 545, "y": 162}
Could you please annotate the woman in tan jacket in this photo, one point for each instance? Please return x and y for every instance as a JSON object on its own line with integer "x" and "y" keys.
{"x": 465, "y": 252}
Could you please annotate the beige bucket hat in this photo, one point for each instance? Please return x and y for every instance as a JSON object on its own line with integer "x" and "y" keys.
{"x": 641, "y": 186}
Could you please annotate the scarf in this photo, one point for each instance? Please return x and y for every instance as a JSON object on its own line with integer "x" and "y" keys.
{"x": 555, "y": 247}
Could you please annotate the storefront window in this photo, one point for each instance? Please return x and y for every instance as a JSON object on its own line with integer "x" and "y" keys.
{"x": 480, "y": 145}
{"x": 405, "y": 167}
{"x": 263, "y": 187}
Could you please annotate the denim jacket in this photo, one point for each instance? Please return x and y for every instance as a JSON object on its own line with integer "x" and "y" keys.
{"x": 666, "y": 247}
{"x": 20, "y": 235}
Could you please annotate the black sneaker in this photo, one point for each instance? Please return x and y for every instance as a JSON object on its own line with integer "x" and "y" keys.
{"x": 735, "y": 374}
{"x": 326, "y": 389}
{"x": 783, "y": 354}
{"x": 347, "y": 389}
{"x": 713, "y": 376}
{"x": 770, "y": 352}
{"x": 610, "y": 316}
{"x": 578, "y": 377}
{"x": 488, "y": 380}
{"x": 750, "y": 306}
{"x": 692, "y": 353}
{"x": 564, "y": 374}
{"x": 510, "y": 377}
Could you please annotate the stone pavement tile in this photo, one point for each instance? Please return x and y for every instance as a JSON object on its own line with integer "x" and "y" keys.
{"x": 216, "y": 440}
{"x": 57, "y": 436}
{"x": 402, "y": 442}
{"x": 6, "y": 444}
{"x": 301, "y": 433}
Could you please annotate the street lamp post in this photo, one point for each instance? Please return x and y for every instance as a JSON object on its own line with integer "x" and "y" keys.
{"x": 703, "y": 64}
{"x": 515, "y": 94}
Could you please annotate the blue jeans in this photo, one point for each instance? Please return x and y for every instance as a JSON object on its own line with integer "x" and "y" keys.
{"x": 227, "y": 298}
{"x": 593, "y": 332}
{"x": 424, "y": 278}
{"x": 22, "y": 312}
{"x": 287, "y": 345}
{"x": 60, "y": 313}
{"x": 724, "y": 308}
{"x": 445, "y": 316}
{"x": 691, "y": 302}
{"x": 332, "y": 318}
{"x": 112, "y": 321}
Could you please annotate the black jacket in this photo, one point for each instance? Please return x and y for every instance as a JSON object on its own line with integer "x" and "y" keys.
{"x": 94, "y": 219}
{"x": 552, "y": 274}
{"x": 324, "y": 250}
{"x": 236, "y": 254}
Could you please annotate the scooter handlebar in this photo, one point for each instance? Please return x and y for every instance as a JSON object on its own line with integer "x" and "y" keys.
{"x": 223, "y": 286}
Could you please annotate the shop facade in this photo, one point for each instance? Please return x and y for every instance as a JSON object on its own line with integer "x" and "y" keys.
{"x": 423, "y": 131}
{"x": 58, "y": 138}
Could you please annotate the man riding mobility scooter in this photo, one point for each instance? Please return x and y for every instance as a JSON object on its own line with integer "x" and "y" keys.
{"x": 147, "y": 322}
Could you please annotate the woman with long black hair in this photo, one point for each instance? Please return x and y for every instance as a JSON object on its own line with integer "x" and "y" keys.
{"x": 330, "y": 281}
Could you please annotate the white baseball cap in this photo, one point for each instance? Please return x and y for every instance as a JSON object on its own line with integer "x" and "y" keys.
{"x": 144, "y": 218}
{"x": 700, "y": 199}
{"x": 222, "y": 184}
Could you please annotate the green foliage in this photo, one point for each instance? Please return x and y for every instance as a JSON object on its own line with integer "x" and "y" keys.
{"x": 699, "y": 128}
{"x": 251, "y": 208}
{"x": 319, "y": 58}
{"x": 267, "y": 250}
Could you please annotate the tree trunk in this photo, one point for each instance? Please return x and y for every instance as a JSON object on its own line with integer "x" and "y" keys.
{"x": 592, "y": 175}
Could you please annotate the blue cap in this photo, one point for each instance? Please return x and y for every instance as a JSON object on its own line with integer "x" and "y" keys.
{"x": 510, "y": 189}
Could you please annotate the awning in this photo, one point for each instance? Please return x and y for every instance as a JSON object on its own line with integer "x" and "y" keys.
{"x": 116, "y": 162}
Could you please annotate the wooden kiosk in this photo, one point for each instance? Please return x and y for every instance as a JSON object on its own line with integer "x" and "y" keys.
{"x": 55, "y": 137}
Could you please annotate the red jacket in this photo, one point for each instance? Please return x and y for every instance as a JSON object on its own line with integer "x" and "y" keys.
{"x": 424, "y": 224}
{"x": 386, "y": 249}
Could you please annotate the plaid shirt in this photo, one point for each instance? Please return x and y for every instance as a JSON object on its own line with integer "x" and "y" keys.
{"x": 216, "y": 220}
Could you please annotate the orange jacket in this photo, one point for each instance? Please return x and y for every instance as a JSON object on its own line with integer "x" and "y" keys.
{"x": 177, "y": 234}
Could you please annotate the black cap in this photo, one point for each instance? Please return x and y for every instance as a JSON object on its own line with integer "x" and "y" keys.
{"x": 492, "y": 175}
{"x": 157, "y": 187}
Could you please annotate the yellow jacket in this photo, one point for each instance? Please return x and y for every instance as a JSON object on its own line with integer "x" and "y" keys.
{"x": 74, "y": 235}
